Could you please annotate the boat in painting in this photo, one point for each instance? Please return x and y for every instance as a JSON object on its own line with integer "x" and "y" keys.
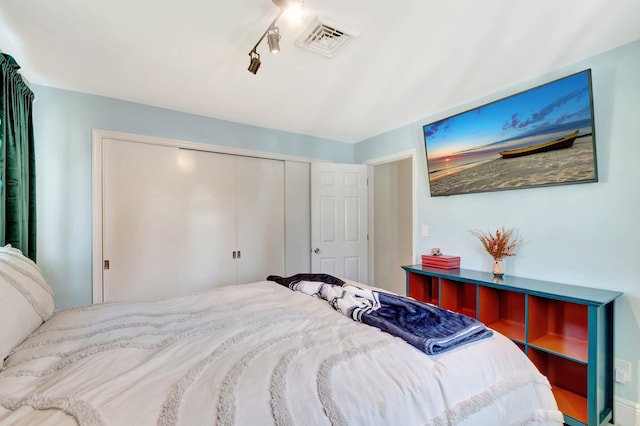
{"x": 560, "y": 143}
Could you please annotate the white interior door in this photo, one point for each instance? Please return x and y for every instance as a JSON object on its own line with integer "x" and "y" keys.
{"x": 339, "y": 220}
{"x": 260, "y": 212}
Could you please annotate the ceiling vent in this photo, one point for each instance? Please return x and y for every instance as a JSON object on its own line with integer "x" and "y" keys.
{"x": 324, "y": 37}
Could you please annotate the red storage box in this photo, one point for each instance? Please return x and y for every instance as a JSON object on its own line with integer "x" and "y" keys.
{"x": 441, "y": 262}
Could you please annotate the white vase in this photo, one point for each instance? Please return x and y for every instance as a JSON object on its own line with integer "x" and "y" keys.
{"x": 498, "y": 267}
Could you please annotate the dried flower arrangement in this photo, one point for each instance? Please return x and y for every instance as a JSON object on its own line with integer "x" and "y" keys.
{"x": 500, "y": 244}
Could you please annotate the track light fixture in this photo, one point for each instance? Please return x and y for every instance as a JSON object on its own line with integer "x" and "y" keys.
{"x": 273, "y": 39}
{"x": 255, "y": 63}
{"x": 272, "y": 33}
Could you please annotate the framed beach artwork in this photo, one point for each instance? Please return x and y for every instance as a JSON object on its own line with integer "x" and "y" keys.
{"x": 542, "y": 136}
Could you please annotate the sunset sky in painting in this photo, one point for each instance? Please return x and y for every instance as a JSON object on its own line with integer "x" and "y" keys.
{"x": 554, "y": 107}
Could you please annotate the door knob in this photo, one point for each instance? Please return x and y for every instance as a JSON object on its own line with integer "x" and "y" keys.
{"x": 316, "y": 250}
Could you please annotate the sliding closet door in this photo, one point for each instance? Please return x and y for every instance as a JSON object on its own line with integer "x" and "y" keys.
{"x": 297, "y": 217}
{"x": 143, "y": 222}
{"x": 260, "y": 188}
{"x": 208, "y": 192}
{"x": 177, "y": 221}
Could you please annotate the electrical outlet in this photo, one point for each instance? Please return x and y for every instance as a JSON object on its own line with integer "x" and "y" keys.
{"x": 622, "y": 371}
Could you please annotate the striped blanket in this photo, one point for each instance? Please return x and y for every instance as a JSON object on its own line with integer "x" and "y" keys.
{"x": 429, "y": 328}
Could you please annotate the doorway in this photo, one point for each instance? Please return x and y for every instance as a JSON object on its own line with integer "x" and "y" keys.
{"x": 392, "y": 218}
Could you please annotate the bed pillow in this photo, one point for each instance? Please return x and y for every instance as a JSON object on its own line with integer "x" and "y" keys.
{"x": 26, "y": 300}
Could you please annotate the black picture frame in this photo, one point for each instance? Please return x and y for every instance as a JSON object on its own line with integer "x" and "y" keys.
{"x": 539, "y": 137}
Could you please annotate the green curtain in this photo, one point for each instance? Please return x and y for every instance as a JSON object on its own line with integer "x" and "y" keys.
{"x": 17, "y": 161}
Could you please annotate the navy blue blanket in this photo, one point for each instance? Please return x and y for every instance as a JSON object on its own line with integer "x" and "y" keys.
{"x": 429, "y": 328}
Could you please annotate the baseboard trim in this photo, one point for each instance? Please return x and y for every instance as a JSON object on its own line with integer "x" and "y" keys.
{"x": 625, "y": 412}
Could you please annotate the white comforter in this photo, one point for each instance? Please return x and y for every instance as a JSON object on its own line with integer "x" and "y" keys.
{"x": 257, "y": 354}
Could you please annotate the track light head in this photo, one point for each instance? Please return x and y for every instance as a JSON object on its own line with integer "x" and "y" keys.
{"x": 255, "y": 63}
{"x": 273, "y": 39}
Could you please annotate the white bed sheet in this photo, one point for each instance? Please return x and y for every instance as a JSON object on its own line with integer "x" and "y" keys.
{"x": 257, "y": 354}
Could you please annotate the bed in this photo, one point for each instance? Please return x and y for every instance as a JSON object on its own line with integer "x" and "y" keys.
{"x": 248, "y": 354}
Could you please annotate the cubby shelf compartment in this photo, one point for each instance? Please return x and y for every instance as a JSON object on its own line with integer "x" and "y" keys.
{"x": 458, "y": 297}
{"x": 423, "y": 288}
{"x": 568, "y": 382}
{"x": 503, "y": 311}
{"x": 559, "y": 327}
{"x": 565, "y": 330}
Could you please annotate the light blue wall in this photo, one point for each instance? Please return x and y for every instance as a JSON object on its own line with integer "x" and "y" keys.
{"x": 63, "y": 122}
{"x": 585, "y": 234}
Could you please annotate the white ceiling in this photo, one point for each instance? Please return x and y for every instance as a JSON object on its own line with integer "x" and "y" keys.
{"x": 412, "y": 58}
